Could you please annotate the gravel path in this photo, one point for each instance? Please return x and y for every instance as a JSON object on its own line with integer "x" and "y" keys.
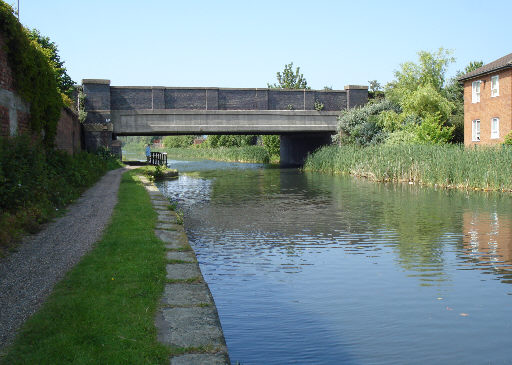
{"x": 28, "y": 275}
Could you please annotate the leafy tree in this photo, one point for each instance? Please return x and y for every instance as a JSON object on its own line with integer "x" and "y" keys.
{"x": 272, "y": 144}
{"x": 289, "y": 79}
{"x": 454, "y": 92}
{"x": 178, "y": 141}
{"x": 230, "y": 140}
{"x": 375, "y": 90}
{"x": 361, "y": 125}
{"x": 432, "y": 131}
{"x": 430, "y": 70}
{"x": 64, "y": 81}
{"x": 426, "y": 100}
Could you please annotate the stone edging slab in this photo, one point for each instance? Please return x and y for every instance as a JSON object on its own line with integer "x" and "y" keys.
{"x": 187, "y": 316}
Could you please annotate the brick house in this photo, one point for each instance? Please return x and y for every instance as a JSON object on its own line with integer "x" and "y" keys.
{"x": 488, "y": 102}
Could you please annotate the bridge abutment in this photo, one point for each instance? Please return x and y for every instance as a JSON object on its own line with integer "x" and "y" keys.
{"x": 296, "y": 147}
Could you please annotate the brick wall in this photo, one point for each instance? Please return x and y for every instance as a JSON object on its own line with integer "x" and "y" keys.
{"x": 101, "y": 98}
{"x": 68, "y": 136}
{"x": 488, "y": 108}
{"x": 15, "y": 113}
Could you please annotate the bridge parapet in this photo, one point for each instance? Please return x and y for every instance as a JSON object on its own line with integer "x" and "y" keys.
{"x": 158, "y": 110}
{"x": 101, "y": 97}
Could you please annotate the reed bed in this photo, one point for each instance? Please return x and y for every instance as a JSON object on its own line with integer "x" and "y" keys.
{"x": 252, "y": 154}
{"x": 451, "y": 166}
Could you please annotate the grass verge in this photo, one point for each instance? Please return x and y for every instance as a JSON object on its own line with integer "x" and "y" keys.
{"x": 450, "y": 166}
{"x": 103, "y": 311}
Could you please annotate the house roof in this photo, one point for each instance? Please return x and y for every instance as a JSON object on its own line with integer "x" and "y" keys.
{"x": 499, "y": 64}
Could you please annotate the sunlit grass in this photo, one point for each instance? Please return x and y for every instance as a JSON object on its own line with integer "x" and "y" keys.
{"x": 103, "y": 311}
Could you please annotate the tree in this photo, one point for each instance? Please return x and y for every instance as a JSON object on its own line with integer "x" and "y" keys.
{"x": 430, "y": 70}
{"x": 64, "y": 81}
{"x": 375, "y": 90}
{"x": 178, "y": 141}
{"x": 454, "y": 92}
{"x": 289, "y": 79}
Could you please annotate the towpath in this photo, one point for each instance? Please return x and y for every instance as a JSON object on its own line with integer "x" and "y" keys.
{"x": 28, "y": 275}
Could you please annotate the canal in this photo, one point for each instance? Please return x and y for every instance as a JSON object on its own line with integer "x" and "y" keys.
{"x": 315, "y": 269}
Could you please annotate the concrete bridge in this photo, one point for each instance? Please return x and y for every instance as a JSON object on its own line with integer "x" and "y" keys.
{"x": 305, "y": 119}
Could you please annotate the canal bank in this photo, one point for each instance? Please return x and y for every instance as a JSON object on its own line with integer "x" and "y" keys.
{"x": 187, "y": 317}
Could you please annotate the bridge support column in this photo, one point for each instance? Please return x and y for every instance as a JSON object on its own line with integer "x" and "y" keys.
{"x": 295, "y": 147}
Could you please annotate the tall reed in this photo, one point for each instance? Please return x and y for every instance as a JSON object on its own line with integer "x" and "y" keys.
{"x": 487, "y": 168}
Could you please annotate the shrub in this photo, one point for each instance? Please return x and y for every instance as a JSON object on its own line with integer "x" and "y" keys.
{"x": 35, "y": 182}
{"x": 508, "y": 139}
{"x": 34, "y": 76}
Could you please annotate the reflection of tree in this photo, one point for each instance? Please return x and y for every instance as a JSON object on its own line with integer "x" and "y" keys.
{"x": 415, "y": 220}
{"x": 289, "y": 210}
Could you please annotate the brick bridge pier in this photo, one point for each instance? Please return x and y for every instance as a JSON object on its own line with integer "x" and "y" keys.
{"x": 154, "y": 110}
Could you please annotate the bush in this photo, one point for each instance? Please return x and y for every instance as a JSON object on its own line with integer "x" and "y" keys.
{"x": 35, "y": 182}
{"x": 272, "y": 144}
{"x": 35, "y": 78}
{"x": 361, "y": 125}
{"x": 178, "y": 141}
{"x": 508, "y": 139}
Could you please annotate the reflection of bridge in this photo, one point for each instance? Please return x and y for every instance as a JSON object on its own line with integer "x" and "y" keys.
{"x": 305, "y": 119}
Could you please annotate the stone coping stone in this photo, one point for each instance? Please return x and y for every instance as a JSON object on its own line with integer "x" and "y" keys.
{"x": 167, "y": 226}
{"x": 190, "y": 327}
{"x": 181, "y": 255}
{"x": 183, "y": 271}
{"x": 201, "y": 359}
{"x": 166, "y": 218}
{"x": 175, "y": 237}
{"x": 160, "y": 203}
{"x": 180, "y": 294}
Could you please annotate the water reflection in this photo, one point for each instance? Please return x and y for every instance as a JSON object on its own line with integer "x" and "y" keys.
{"x": 393, "y": 267}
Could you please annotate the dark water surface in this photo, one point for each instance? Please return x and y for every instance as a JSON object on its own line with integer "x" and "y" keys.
{"x": 315, "y": 269}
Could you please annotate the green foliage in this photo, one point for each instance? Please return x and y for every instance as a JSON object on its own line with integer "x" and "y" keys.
{"x": 432, "y": 131}
{"x": 375, "y": 90}
{"x": 430, "y": 70}
{"x": 178, "y": 141}
{"x": 289, "y": 79}
{"x": 454, "y": 92}
{"x": 272, "y": 144}
{"x": 254, "y": 154}
{"x": 419, "y": 93}
{"x": 361, "y": 125}
{"x": 103, "y": 310}
{"x": 508, "y": 139}
{"x": 49, "y": 48}
{"x": 319, "y": 105}
{"x": 229, "y": 140}
{"x": 35, "y": 182}
{"x": 82, "y": 114}
{"x": 426, "y": 100}
{"x": 445, "y": 165}
{"x": 34, "y": 76}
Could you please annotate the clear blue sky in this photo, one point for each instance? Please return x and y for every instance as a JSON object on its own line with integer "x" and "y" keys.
{"x": 244, "y": 43}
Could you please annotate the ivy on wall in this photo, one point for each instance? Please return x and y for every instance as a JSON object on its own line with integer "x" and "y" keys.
{"x": 34, "y": 77}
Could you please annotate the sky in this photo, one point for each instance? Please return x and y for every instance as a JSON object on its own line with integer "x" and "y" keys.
{"x": 244, "y": 43}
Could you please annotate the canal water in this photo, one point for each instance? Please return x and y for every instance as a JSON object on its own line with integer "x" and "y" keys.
{"x": 308, "y": 268}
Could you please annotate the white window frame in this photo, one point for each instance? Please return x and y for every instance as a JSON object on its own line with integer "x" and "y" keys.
{"x": 495, "y": 128}
{"x": 495, "y": 86}
{"x": 475, "y": 91}
{"x": 475, "y": 130}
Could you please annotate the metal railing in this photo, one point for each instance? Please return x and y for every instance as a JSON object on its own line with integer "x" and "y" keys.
{"x": 158, "y": 158}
